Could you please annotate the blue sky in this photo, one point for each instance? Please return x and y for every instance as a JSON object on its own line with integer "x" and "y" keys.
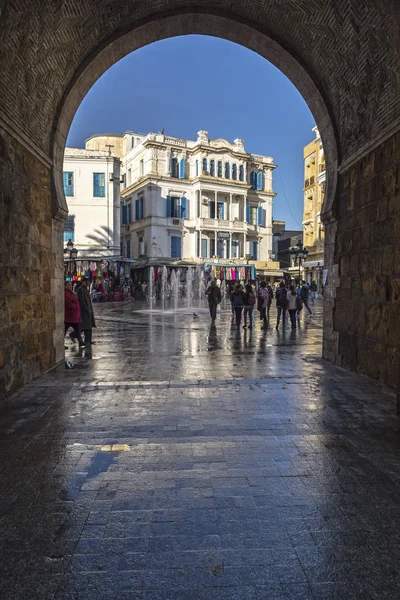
{"x": 188, "y": 83}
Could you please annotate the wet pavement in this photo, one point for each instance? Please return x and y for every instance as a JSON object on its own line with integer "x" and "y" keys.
{"x": 183, "y": 463}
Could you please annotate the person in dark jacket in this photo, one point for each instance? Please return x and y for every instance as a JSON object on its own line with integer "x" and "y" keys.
{"x": 214, "y": 298}
{"x": 72, "y": 313}
{"x": 238, "y": 302}
{"x": 305, "y": 294}
{"x": 281, "y": 303}
{"x": 87, "y": 316}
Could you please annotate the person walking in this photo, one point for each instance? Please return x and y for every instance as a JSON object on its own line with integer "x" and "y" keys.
{"x": 305, "y": 294}
{"x": 281, "y": 303}
{"x": 72, "y": 314}
{"x": 87, "y": 316}
{"x": 313, "y": 289}
{"x": 293, "y": 305}
{"x": 248, "y": 305}
{"x": 238, "y": 303}
{"x": 271, "y": 296}
{"x": 263, "y": 301}
{"x": 214, "y": 298}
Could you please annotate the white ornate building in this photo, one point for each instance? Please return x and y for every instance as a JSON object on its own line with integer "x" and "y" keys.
{"x": 192, "y": 200}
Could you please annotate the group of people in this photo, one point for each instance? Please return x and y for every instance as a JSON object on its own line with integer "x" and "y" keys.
{"x": 244, "y": 300}
{"x": 78, "y": 313}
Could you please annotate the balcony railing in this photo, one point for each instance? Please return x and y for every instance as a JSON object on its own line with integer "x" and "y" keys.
{"x": 224, "y": 224}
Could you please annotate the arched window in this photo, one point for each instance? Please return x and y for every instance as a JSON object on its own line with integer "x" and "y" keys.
{"x": 253, "y": 180}
{"x": 241, "y": 173}
{"x": 173, "y": 167}
{"x": 234, "y": 172}
{"x": 260, "y": 180}
{"x": 204, "y": 164}
{"x": 220, "y": 168}
{"x": 227, "y": 171}
{"x": 212, "y": 168}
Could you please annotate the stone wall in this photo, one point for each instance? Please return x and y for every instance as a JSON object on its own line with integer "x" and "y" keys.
{"x": 31, "y": 268}
{"x": 366, "y": 313}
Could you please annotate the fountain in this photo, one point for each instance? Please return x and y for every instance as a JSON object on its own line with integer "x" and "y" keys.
{"x": 175, "y": 281}
{"x": 164, "y": 284}
{"x": 151, "y": 288}
{"x": 189, "y": 287}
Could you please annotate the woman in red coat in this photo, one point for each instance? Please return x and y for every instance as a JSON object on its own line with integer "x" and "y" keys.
{"x": 72, "y": 313}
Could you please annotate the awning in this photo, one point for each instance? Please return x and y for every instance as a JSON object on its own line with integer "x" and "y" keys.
{"x": 313, "y": 263}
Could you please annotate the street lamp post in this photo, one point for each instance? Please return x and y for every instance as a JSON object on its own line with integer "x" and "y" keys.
{"x": 300, "y": 254}
{"x": 72, "y": 252}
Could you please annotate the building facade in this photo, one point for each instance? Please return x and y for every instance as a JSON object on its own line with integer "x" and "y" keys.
{"x": 314, "y": 195}
{"x": 92, "y": 191}
{"x": 194, "y": 200}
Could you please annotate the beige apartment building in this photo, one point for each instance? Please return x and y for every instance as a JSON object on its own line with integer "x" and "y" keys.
{"x": 314, "y": 194}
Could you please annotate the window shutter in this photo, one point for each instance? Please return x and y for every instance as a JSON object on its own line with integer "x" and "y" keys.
{"x": 169, "y": 206}
{"x": 183, "y": 209}
{"x": 128, "y": 248}
{"x": 124, "y": 209}
{"x": 248, "y": 214}
{"x": 65, "y": 178}
{"x": 260, "y": 180}
{"x": 255, "y": 250}
{"x": 222, "y": 211}
{"x": 171, "y": 165}
{"x": 260, "y": 217}
{"x": 141, "y": 214}
{"x": 182, "y": 168}
{"x": 264, "y": 218}
{"x": 129, "y": 213}
{"x": 137, "y": 210}
{"x": 176, "y": 246}
{"x": 204, "y": 247}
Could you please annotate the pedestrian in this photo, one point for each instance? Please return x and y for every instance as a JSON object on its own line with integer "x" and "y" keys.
{"x": 214, "y": 298}
{"x": 313, "y": 289}
{"x": 238, "y": 303}
{"x": 72, "y": 314}
{"x": 305, "y": 294}
{"x": 271, "y": 296}
{"x": 87, "y": 316}
{"x": 293, "y": 298}
{"x": 263, "y": 300}
{"x": 281, "y": 303}
{"x": 249, "y": 305}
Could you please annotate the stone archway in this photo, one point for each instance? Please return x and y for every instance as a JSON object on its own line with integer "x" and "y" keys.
{"x": 344, "y": 61}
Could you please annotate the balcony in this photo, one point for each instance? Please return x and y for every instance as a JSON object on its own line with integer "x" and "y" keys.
{"x": 222, "y": 225}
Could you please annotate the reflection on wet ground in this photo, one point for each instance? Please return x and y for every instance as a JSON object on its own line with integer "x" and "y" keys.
{"x": 182, "y": 462}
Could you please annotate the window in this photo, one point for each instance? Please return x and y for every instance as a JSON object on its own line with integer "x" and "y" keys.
{"x": 212, "y": 168}
{"x": 204, "y": 164}
{"x": 141, "y": 168}
{"x": 177, "y": 207}
{"x": 253, "y": 180}
{"x": 204, "y": 247}
{"x": 261, "y": 217}
{"x": 220, "y": 248}
{"x": 68, "y": 180}
{"x": 212, "y": 210}
{"x": 99, "y": 185}
{"x": 234, "y": 172}
{"x": 130, "y": 213}
{"x": 241, "y": 173}
{"x": 212, "y": 247}
{"x": 139, "y": 208}
{"x": 227, "y": 171}
{"x": 235, "y": 249}
{"x": 260, "y": 180}
{"x": 220, "y": 211}
{"x": 176, "y": 247}
{"x": 124, "y": 214}
{"x": 220, "y": 168}
{"x": 251, "y": 215}
{"x": 128, "y": 248}
{"x": 69, "y": 228}
{"x": 253, "y": 250}
{"x": 173, "y": 167}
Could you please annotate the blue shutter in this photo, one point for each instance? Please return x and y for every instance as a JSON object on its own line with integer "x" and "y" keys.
{"x": 136, "y": 210}
{"x": 260, "y": 216}
{"x": 197, "y": 167}
{"x": 255, "y": 251}
{"x": 169, "y": 206}
{"x": 183, "y": 209}
{"x": 241, "y": 173}
{"x": 204, "y": 247}
{"x": 260, "y": 180}
{"x": 124, "y": 214}
{"x": 182, "y": 168}
{"x": 175, "y": 246}
{"x": 248, "y": 214}
{"x": 65, "y": 178}
{"x": 171, "y": 165}
{"x": 141, "y": 214}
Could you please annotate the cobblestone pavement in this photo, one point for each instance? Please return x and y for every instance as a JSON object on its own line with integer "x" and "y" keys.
{"x": 183, "y": 463}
